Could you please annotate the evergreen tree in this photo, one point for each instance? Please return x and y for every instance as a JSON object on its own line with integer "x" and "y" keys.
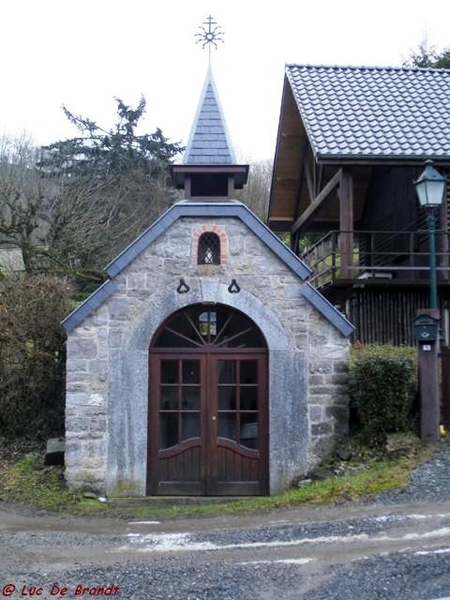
{"x": 428, "y": 56}
{"x": 109, "y": 186}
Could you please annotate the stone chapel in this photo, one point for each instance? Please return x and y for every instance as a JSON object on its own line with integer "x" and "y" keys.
{"x": 206, "y": 364}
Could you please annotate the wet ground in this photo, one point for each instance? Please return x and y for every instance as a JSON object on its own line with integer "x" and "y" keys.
{"x": 348, "y": 552}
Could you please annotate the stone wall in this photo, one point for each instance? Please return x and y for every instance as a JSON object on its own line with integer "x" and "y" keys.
{"x": 107, "y": 365}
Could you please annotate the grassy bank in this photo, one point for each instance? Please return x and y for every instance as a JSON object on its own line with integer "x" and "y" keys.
{"x": 26, "y": 480}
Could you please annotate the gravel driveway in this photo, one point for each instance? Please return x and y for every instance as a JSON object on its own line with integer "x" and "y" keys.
{"x": 430, "y": 482}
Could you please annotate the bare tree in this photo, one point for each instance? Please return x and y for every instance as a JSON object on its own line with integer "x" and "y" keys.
{"x": 89, "y": 222}
{"x": 256, "y": 193}
{"x": 23, "y": 198}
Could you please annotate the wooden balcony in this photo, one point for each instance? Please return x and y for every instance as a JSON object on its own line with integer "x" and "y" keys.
{"x": 396, "y": 257}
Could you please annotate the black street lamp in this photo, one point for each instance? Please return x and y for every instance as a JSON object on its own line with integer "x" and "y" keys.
{"x": 430, "y": 192}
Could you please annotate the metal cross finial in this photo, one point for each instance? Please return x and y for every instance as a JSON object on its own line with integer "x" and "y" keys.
{"x": 210, "y": 33}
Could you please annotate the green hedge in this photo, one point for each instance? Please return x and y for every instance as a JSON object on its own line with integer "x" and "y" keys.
{"x": 32, "y": 356}
{"x": 383, "y": 389}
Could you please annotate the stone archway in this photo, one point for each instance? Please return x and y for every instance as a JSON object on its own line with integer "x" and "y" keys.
{"x": 208, "y": 405}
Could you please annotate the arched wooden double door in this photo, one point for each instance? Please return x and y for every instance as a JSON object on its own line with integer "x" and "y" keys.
{"x": 208, "y": 425}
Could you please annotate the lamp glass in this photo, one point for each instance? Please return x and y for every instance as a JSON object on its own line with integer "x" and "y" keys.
{"x": 430, "y": 186}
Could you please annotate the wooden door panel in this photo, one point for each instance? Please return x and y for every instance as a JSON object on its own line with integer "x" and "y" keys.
{"x": 179, "y": 469}
{"x": 175, "y": 425}
{"x": 238, "y": 433}
{"x": 238, "y": 470}
{"x": 208, "y": 424}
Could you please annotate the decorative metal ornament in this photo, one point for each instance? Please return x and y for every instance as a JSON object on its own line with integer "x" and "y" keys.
{"x": 234, "y": 288}
{"x": 183, "y": 288}
{"x": 210, "y": 33}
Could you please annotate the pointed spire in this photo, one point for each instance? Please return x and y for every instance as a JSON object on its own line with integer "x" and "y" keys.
{"x": 209, "y": 169}
{"x": 209, "y": 142}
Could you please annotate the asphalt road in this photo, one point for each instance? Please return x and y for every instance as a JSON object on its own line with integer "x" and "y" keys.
{"x": 396, "y": 552}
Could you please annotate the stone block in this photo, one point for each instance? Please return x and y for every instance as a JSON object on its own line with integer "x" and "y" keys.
{"x": 316, "y": 413}
{"x": 135, "y": 281}
{"x": 99, "y": 368}
{"x": 341, "y": 366}
{"x": 95, "y": 449}
{"x": 320, "y": 390}
{"x": 54, "y": 452}
{"x": 323, "y": 428}
{"x": 322, "y": 399}
{"x": 77, "y": 365}
{"x": 320, "y": 366}
{"x": 316, "y": 379}
{"x": 75, "y": 399}
{"x": 86, "y": 479}
{"x": 339, "y": 378}
{"x": 119, "y": 309}
{"x": 301, "y": 340}
{"x": 97, "y": 425}
{"x": 75, "y": 377}
{"x": 115, "y": 337}
{"x": 96, "y": 400}
{"x": 317, "y": 340}
{"x": 82, "y": 348}
{"x": 320, "y": 449}
{"x": 338, "y": 412}
{"x": 100, "y": 317}
{"x": 76, "y": 426}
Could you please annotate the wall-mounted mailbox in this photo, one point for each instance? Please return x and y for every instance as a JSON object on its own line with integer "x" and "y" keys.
{"x": 426, "y": 329}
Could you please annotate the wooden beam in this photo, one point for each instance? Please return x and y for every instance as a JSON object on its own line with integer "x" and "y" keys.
{"x": 345, "y": 193}
{"x": 318, "y": 201}
{"x": 300, "y": 182}
{"x": 428, "y": 363}
{"x": 444, "y": 241}
{"x": 309, "y": 180}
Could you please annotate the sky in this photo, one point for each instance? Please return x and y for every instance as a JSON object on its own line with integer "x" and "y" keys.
{"x": 84, "y": 53}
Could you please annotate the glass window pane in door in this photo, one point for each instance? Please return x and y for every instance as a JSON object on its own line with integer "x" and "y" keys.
{"x": 248, "y": 371}
{"x": 226, "y": 371}
{"x": 191, "y": 371}
{"x": 169, "y": 371}
{"x": 227, "y": 426}
{"x": 168, "y": 429}
{"x": 190, "y": 426}
{"x": 169, "y": 397}
{"x": 248, "y": 397}
{"x": 227, "y": 397}
{"x": 249, "y": 431}
{"x": 190, "y": 398}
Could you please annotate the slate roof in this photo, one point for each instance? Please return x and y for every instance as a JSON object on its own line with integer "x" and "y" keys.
{"x": 209, "y": 142}
{"x": 209, "y": 209}
{"x": 374, "y": 112}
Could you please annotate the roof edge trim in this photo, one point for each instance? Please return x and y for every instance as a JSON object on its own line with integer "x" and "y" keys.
{"x": 330, "y": 312}
{"x": 91, "y": 303}
{"x": 188, "y": 208}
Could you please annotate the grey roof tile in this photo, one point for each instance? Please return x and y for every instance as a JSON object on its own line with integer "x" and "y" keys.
{"x": 209, "y": 142}
{"x": 374, "y": 111}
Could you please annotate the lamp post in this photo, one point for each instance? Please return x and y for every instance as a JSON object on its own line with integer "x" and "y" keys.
{"x": 430, "y": 192}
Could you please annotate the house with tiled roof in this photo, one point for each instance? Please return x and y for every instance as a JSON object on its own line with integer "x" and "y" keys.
{"x": 206, "y": 364}
{"x": 351, "y": 142}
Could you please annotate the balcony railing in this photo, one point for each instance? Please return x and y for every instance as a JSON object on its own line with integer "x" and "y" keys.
{"x": 400, "y": 255}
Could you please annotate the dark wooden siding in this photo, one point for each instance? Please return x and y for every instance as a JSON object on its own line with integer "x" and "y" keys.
{"x": 391, "y": 200}
{"x": 384, "y": 316}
